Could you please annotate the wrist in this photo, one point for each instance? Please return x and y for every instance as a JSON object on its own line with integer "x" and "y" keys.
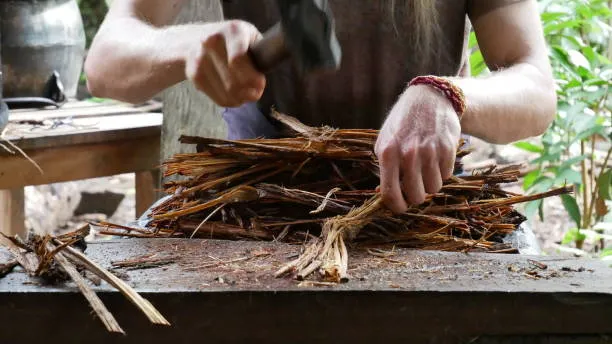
{"x": 446, "y": 88}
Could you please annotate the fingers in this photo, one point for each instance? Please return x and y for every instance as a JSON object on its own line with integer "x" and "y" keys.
{"x": 201, "y": 70}
{"x": 240, "y": 36}
{"x": 412, "y": 176}
{"x": 432, "y": 179}
{"x": 390, "y": 188}
{"x": 221, "y": 67}
{"x": 446, "y": 160}
{"x": 407, "y": 177}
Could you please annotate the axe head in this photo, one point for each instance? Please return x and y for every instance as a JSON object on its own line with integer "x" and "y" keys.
{"x": 309, "y": 34}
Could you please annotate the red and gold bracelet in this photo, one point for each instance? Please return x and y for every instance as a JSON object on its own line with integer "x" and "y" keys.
{"x": 451, "y": 91}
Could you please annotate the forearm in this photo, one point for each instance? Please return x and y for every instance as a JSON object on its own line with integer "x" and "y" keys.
{"x": 132, "y": 61}
{"x": 508, "y": 105}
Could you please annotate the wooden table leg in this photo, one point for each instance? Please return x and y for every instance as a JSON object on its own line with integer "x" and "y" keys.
{"x": 146, "y": 183}
{"x": 12, "y": 212}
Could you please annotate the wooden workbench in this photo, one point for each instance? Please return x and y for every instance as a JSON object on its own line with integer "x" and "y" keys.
{"x": 224, "y": 291}
{"x": 78, "y": 141}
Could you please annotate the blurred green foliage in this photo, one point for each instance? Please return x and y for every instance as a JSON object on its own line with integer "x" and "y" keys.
{"x": 93, "y": 12}
{"x": 576, "y": 148}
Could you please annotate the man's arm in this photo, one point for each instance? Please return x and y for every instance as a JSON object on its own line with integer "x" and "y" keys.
{"x": 417, "y": 143}
{"x": 518, "y": 99}
{"x": 136, "y": 54}
{"x": 133, "y": 57}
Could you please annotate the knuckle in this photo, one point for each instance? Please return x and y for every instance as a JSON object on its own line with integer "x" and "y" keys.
{"x": 427, "y": 149}
{"x": 234, "y": 27}
{"x": 237, "y": 28}
{"x": 409, "y": 149}
{"x": 386, "y": 151}
{"x": 212, "y": 40}
{"x": 408, "y": 158}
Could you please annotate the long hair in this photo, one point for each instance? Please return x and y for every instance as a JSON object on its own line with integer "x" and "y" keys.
{"x": 425, "y": 24}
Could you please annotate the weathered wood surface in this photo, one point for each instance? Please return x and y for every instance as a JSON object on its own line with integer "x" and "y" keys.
{"x": 224, "y": 291}
{"x": 82, "y": 109}
{"x": 83, "y": 130}
{"x": 79, "y": 141}
{"x": 188, "y": 111}
{"x": 82, "y": 161}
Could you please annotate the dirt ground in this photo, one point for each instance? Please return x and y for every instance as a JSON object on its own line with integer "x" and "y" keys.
{"x": 549, "y": 233}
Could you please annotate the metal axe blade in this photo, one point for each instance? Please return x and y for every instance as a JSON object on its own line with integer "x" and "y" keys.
{"x": 305, "y": 32}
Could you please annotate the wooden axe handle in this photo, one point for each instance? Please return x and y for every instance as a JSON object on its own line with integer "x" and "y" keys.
{"x": 270, "y": 51}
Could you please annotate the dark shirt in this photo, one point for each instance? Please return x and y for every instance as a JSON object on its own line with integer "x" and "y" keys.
{"x": 378, "y": 60}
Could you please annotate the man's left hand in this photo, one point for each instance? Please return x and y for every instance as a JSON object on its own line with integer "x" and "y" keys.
{"x": 416, "y": 147}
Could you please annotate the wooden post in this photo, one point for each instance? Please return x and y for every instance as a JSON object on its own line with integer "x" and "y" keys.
{"x": 188, "y": 111}
{"x": 146, "y": 185}
{"x": 12, "y": 210}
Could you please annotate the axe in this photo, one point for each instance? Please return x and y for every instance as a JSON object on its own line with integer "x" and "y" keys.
{"x": 304, "y": 33}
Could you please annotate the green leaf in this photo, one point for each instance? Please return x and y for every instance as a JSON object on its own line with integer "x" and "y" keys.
{"x": 473, "y": 42}
{"x": 578, "y": 59}
{"x": 557, "y": 148}
{"x": 574, "y": 41}
{"x": 542, "y": 184}
{"x": 585, "y": 73}
{"x": 591, "y": 97}
{"x": 583, "y": 122}
{"x": 605, "y": 252}
{"x": 604, "y": 60}
{"x": 477, "y": 63}
{"x": 572, "y": 235}
{"x": 590, "y": 54}
{"x": 596, "y": 82}
{"x": 532, "y": 207}
{"x": 570, "y": 204}
{"x": 541, "y": 211}
{"x": 568, "y": 176}
{"x": 605, "y": 184}
{"x": 572, "y": 161}
{"x": 560, "y": 56}
{"x": 551, "y": 16}
{"x": 559, "y": 26}
{"x": 529, "y": 147}
{"x": 575, "y": 113}
{"x": 547, "y": 158}
{"x": 530, "y": 178}
{"x": 598, "y": 129}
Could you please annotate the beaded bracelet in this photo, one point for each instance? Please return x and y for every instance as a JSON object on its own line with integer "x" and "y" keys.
{"x": 451, "y": 91}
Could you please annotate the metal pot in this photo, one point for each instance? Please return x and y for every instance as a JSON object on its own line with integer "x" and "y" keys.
{"x": 40, "y": 38}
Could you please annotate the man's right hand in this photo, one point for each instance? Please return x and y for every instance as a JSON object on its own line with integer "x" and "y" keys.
{"x": 219, "y": 66}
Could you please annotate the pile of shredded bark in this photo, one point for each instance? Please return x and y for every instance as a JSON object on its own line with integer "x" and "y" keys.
{"x": 319, "y": 186}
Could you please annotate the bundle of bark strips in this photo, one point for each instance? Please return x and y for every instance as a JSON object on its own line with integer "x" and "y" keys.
{"x": 319, "y": 185}
{"x": 57, "y": 259}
